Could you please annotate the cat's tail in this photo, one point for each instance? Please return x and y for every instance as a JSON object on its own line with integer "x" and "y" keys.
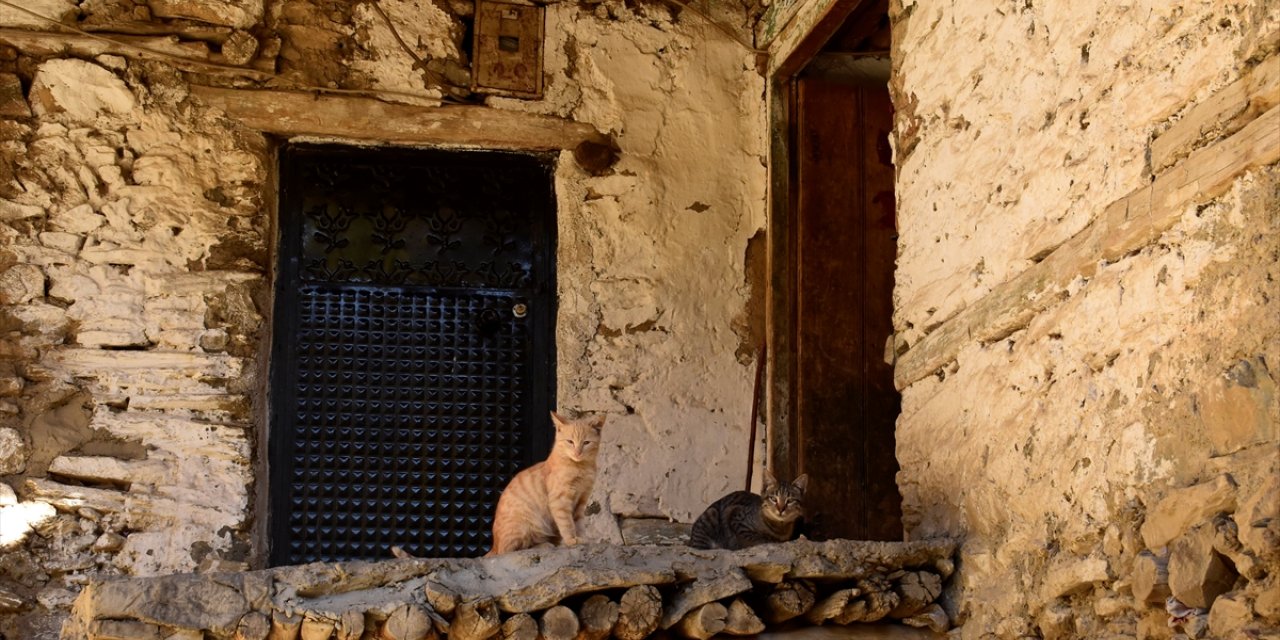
{"x": 401, "y": 553}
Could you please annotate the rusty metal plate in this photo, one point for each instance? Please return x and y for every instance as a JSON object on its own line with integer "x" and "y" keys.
{"x": 507, "y": 55}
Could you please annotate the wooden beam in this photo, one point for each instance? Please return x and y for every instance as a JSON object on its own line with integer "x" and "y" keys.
{"x": 301, "y": 113}
{"x": 805, "y": 34}
{"x": 165, "y": 49}
{"x": 1129, "y": 223}
{"x": 1223, "y": 113}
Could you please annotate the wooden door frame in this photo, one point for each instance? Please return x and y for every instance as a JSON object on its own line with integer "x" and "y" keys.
{"x": 781, "y": 317}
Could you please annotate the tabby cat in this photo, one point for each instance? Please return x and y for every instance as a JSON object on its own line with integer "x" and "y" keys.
{"x": 743, "y": 519}
{"x": 542, "y": 505}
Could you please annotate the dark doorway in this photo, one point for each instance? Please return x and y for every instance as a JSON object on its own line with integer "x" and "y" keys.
{"x": 412, "y": 368}
{"x": 842, "y": 236}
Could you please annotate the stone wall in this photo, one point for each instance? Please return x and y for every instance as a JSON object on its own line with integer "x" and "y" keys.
{"x": 137, "y": 258}
{"x": 1086, "y": 310}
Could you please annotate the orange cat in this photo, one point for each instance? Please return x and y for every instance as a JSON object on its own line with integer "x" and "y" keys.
{"x": 541, "y": 505}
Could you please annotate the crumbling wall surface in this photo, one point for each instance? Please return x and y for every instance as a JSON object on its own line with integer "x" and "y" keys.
{"x": 133, "y": 273}
{"x": 137, "y": 247}
{"x": 651, "y": 263}
{"x": 134, "y": 261}
{"x": 1086, "y": 312}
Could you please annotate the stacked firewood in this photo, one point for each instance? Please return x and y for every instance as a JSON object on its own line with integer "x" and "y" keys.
{"x": 586, "y": 592}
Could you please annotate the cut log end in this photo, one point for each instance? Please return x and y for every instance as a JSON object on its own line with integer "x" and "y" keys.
{"x": 559, "y": 623}
{"x": 789, "y": 600}
{"x": 742, "y": 620}
{"x": 639, "y": 612}
{"x": 703, "y": 622}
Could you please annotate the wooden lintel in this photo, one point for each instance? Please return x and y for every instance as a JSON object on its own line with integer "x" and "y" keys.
{"x": 301, "y": 113}
{"x": 1129, "y": 223}
{"x": 1222, "y": 113}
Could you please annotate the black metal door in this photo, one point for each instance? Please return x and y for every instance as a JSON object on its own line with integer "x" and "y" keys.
{"x": 412, "y": 363}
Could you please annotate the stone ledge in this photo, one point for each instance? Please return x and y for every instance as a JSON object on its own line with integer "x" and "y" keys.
{"x": 839, "y": 581}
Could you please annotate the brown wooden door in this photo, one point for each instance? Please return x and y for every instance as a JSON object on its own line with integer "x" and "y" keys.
{"x": 845, "y": 236}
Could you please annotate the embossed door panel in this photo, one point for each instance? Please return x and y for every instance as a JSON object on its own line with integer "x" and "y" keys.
{"x": 412, "y": 366}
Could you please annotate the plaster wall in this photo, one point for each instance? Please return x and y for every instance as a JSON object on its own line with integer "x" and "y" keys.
{"x": 1055, "y": 445}
{"x": 137, "y": 251}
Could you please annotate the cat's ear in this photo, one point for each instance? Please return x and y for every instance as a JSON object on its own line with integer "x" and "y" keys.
{"x": 557, "y": 420}
{"x": 802, "y": 482}
{"x": 769, "y": 481}
{"x": 597, "y": 422}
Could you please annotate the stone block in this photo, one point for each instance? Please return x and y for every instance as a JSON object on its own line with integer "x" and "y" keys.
{"x": 21, "y": 519}
{"x": 21, "y": 284}
{"x": 1182, "y": 508}
{"x": 7, "y": 495}
{"x": 1198, "y": 573}
{"x": 1073, "y": 576}
{"x": 1239, "y": 408}
{"x": 653, "y": 531}
{"x": 1229, "y": 614}
{"x": 80, "y": 90}
{"x": 11, "y": 386}
{"x": 1257, "y": 514}
{"x": 13, "y": 452}
{"x": 1267, "y": 602}
{"x": 13, "y": 104}
{"x": 63, "y": 11}
{"x": 10, "y": 602}
{"x": 11, "y": 211}
{"x": 108, "y": 542}
{"x": 124, "y": 630}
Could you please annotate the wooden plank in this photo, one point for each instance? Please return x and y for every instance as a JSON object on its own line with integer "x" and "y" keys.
{"x": 161, "y": 48}
{"x": 302, "y": 113}
{"x": 845, "y": 229}
{"x": 1223, "y": 113}
{"x": 1127, "y": 224}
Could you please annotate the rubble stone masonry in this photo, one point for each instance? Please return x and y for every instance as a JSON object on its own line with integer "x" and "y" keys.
{"x": 1088, "y": 310}
{"x": 137, "y": 253}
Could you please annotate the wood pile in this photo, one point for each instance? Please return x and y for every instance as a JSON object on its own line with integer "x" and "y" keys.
{"x": 586, "y": 592}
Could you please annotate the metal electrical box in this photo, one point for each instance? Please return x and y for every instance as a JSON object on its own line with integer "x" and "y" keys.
{"x": 507, "y": 55}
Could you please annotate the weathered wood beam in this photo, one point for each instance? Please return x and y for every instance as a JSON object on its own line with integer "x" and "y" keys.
{"x": 1129, "y": 223}
{"x": 1223, "y": 113}
{"x": 301, "y": 113}
{"x": 477, "y": 588}
{"x": 161, "y": 48}
{"x": 134, "y": 28}
{"x": 703, "y": 590}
